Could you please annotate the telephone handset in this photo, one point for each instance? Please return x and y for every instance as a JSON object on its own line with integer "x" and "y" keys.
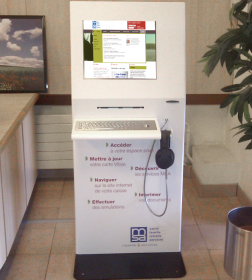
{"x": 164, "y": 159}
{"x": 165, "y": 156}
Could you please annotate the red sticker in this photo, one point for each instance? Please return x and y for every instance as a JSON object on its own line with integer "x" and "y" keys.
{"x": 135, "y": 24}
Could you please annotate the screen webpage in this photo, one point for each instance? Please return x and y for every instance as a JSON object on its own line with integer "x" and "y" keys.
{"x": 119, "y": 49}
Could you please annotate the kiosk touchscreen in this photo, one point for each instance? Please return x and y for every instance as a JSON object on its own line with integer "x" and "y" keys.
{"x": 128, "y": 107}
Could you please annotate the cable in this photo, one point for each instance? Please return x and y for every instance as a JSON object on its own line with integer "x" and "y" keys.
{"x": 145, "y": 174}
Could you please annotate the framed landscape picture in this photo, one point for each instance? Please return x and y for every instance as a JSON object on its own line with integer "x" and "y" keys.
{"x": 23, "y": 54}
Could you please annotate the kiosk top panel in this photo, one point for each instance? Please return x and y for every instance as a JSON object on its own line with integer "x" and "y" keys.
{"x": 169, "y": 18}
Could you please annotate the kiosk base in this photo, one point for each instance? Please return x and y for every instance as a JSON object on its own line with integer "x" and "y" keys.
{"x": 129, "y": 266}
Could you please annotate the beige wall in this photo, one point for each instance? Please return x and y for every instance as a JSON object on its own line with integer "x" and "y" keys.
{"x": 205, "y": 21}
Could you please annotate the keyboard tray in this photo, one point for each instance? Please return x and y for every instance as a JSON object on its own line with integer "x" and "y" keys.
{"x": 141, "y": 128}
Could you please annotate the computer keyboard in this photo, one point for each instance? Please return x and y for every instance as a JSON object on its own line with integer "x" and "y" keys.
{"x": 100, "y": 125}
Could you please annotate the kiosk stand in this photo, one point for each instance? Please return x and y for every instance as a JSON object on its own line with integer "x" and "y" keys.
{"x": 127, "y": 209}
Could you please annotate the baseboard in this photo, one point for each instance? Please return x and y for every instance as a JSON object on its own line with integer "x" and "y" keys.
{"x": 55, "y": 173}
{"x": 225, "y": 190}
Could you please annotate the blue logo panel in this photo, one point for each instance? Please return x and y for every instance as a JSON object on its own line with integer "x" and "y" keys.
{"x": 94, "y": 24}
{"x": 138, "y": 234}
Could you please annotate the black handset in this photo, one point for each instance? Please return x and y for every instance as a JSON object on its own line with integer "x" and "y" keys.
{"x": 165, "y": 156}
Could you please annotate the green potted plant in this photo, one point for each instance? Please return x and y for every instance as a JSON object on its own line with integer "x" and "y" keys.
{"x": 234, "y": 50}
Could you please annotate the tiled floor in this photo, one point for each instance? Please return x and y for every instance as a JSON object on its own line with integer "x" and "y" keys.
{"x": 45, "y": 243}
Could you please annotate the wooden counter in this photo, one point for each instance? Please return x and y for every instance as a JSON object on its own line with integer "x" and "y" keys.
{"x": 13, "y": 109}
{"x": 18, "y": 169}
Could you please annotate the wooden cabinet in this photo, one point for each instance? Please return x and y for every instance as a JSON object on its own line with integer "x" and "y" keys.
{"x": 18, "y": 175}
{"x": 13, "y": 185}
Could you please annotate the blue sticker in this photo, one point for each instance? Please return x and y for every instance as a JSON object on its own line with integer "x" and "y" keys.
{"x": 138, "y": 234}
{"x": 94, "y": 24}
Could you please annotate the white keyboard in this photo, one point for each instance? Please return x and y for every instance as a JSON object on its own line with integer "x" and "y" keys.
{"x": 100, "y": 125}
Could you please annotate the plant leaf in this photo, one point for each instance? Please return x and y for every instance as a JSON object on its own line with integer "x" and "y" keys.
{"x": 241, "y": 71}
{"x": 245, "y": 138}
{"x": 247, "y": 80}
{"x": 241, "y": 63}
{"x": 246, "y": 111}
{"x": 244, "y": 53}
{"x": 236, "y": 8}
{"x": 231, "y": 32}
{"x": 203, "y": 59}
{"x": 248, "y": 126}
{"x": 239, "y": 108}
{"x": 232, "y": 109}
{"x": 211, "y": 64}
{"x": 230, "y": 58}
{"x": 234, "y": 87}
{"x": 228, "y": 100}
{"x": 241, "y": 131}
{"x": 249, "y": 147}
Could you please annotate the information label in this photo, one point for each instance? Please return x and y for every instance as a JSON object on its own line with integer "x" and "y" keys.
{"x": 110, "y": 198}
{"x": 119, "y": 49}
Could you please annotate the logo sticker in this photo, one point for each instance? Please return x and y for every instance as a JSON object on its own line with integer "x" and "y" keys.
{"x": 138, "y": 234}
{"x": 95, "y": 24}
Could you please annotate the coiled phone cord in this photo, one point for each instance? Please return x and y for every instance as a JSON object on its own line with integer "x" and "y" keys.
{"x": 145, "y": 175}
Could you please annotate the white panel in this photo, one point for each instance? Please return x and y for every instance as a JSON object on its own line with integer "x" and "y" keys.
{"x": 100, "y": 159}
{"x": 170, "y": 49}
{"x": 50, "y": 119}
{"x": 57, "y": 164}
{"x": 97, "y": 160}
{"x": 29, "y": 153}
{"x": 55, "y": 155}
{"x": 13, "y": 184}
{"x": 53, "y": 128}
{"x": 2, "y": 227}
{"x": 53, "y": 138}
{"x": 54, "y": 147}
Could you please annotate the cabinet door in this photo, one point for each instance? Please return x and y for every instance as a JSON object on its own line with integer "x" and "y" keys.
{"x": 29, "y": 153}
{"x": 2, "y": 228}
{"x": 13, "y": 184}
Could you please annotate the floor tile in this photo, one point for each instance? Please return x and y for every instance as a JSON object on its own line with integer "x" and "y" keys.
{"x": 194, "y": 199}
{"x": 203, "y": 235}
{"x": 28, "y": 225}
{"x": 218, "y": 260}
{"x": 192, "y": 239}
{"x": 235, "y": 202}
{"x": 64, "y": 238}
{"x": 66, "y": 213}
{"x": 67, "y": 198}
{"x": 45, "y": 198}
{"x": 198, "y": 265}
{"x": 214, "y": 235}
{"x": 61, "y": 267}
{"x": 25, "y": 267}
{"x": 34, "y": 239}
{"x": 42, "y": 213}
{"x": 209, "y": 214}
{"x": 187, "y": 185}
{"x": 69, "y": 184}
{"x": 49, "y": 185}
{"x": 187, "y": 215}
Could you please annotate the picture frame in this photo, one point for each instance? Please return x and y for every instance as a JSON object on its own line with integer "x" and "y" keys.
{"x": 23, "y": 64}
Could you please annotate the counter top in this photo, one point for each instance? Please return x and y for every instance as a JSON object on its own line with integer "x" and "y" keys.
{"x": 13, "y": 109}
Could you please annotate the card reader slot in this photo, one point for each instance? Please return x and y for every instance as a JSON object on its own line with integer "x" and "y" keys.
{"x": 121, "y": 107}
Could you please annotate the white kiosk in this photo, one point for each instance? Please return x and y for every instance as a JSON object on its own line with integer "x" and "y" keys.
{"x": 128, "y": 90}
